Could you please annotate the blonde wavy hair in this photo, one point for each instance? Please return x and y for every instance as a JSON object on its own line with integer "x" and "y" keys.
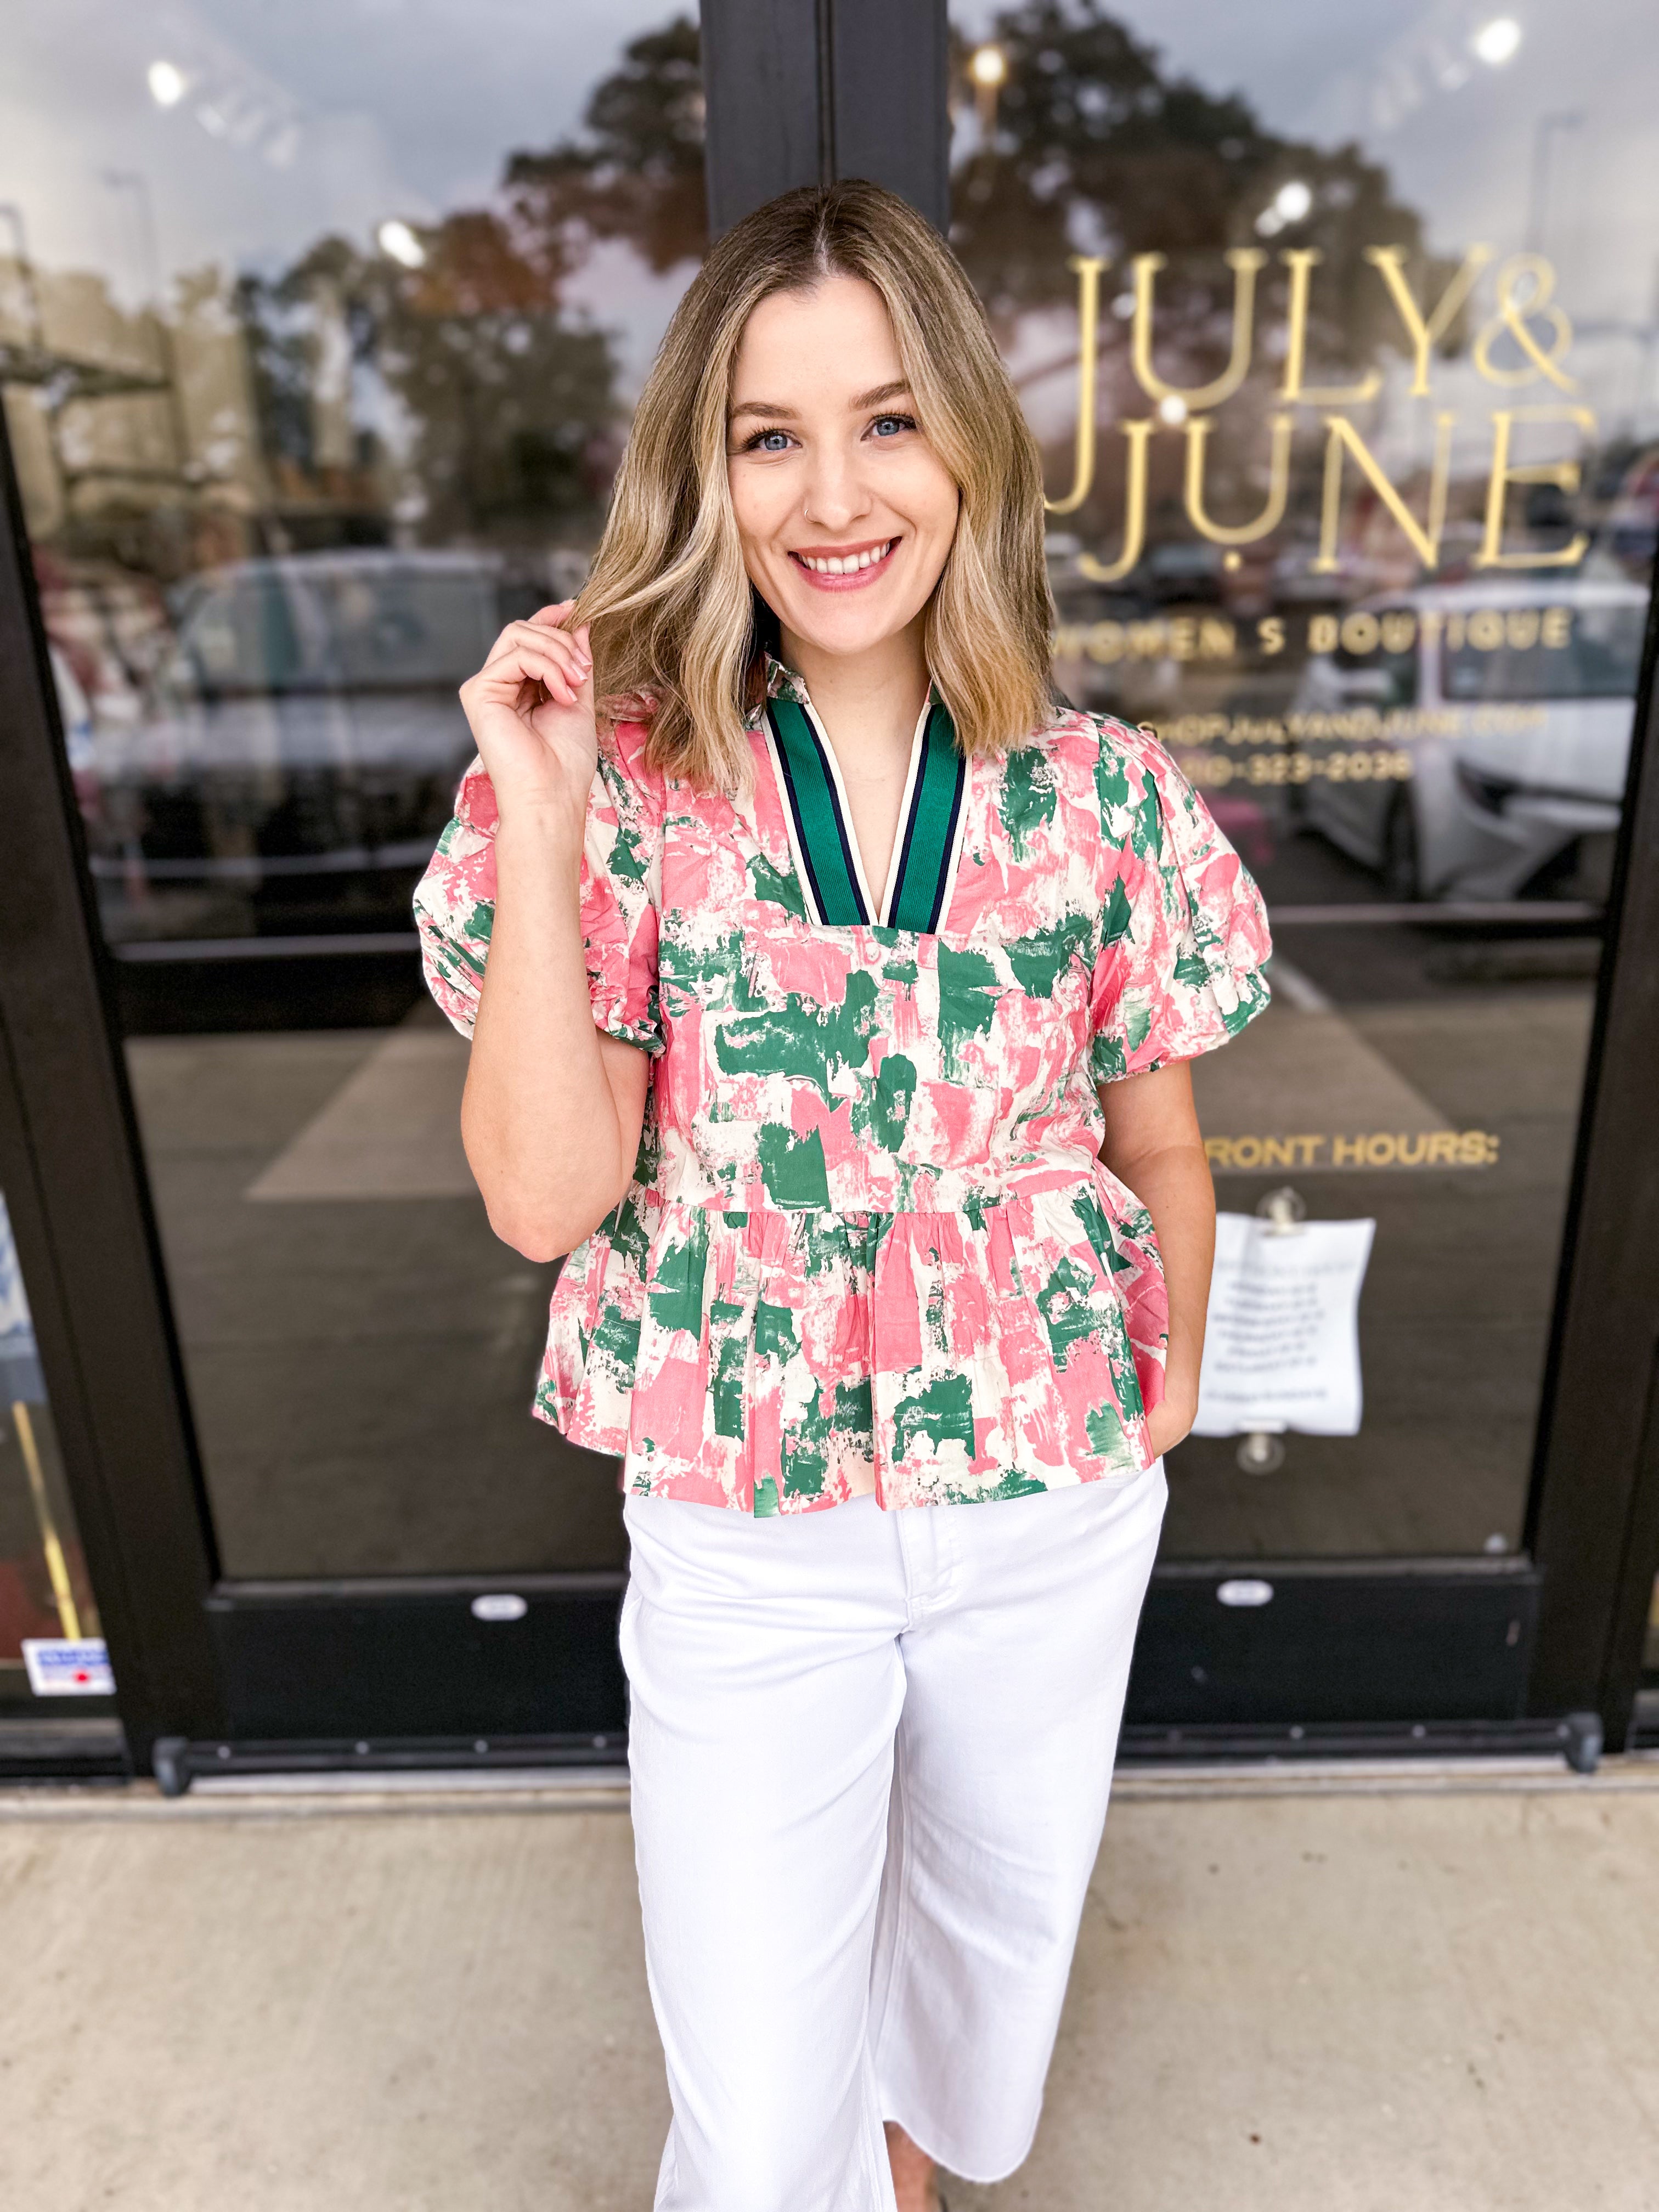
{"x": 678, "y": 628}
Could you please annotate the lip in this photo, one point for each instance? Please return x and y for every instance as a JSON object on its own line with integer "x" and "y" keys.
{"x": 846, "y": 582}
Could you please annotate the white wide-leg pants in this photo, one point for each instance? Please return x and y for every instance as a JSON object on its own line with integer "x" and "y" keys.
{"x": 870, "y": 1756}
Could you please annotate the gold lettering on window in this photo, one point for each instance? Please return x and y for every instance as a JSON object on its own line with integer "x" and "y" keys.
{"x": 1424, "y": 537}
{"x": 1244, "y": 261}
{"x": 1278, "y": 486}
{"x": 1426, "y": 334}
{"x": 1516, "y": 309}
{"x": 1088, "y": 358}
{"x": 1504, "y": 472}
{"x": 1134, "y": 510}
{"x": 1300, "y": 261}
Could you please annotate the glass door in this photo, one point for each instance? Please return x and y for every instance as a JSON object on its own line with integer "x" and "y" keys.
{"x": 319, "y": 334}
{"x": 1339, "y": 339}
{"x": 52, "y": 1645}
{"x": 317, "y": 340}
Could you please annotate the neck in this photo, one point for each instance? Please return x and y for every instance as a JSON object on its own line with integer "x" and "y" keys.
{"x": 874, "y": 694}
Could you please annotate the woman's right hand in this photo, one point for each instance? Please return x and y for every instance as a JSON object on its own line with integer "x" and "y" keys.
{"x": 530, "y": 711}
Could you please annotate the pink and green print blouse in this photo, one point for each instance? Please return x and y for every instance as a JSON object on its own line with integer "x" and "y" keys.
{"x": 869, "y": 1244}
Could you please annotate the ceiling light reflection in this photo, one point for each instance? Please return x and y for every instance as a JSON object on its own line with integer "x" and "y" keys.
{"x": 1292, "y": 203}
{"x": 167, "y": 83}
{"x": 1498, "y": 41}
{"x": 395, "y": 238}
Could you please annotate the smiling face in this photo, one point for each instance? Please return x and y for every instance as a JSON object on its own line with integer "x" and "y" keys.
{"x": 845, "y": 512}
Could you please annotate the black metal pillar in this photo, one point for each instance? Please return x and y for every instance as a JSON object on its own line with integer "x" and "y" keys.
{"x": 1596, "y": 1499}
{"x": 803, "y": 92}
{"x": 81, "y": 1212}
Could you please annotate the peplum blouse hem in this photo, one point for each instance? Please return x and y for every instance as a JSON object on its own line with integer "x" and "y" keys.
{"x": 869, "y": 1246}
{"x": 785, "y": 1360}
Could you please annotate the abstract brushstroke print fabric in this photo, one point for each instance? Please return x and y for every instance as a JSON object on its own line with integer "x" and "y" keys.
{"x": 869, "y": 1244}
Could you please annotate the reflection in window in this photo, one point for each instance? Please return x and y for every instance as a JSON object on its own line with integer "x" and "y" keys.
{"x": 324, "y": 388}
{"x": 44, "y": 1591}
{"x": 1378, "y": 657}
{"x": 346, "y": 396}
{"x": 1288, "y": 365}
{"x": 1590, "y": 648}
{"x": 1351, "y": 448}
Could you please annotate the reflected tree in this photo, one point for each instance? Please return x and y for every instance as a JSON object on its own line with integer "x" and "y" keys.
{"x": 466, "y": 369}
{"x": 636, "y": 171}
{"x": 460, "y": 377}
{"x": 1097, "y": 149}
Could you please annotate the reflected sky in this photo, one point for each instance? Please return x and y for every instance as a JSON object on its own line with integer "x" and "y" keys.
{"x": 1458, "y": 136}
{"x": 303, "y": 117}
{"x": 299, "y": 117}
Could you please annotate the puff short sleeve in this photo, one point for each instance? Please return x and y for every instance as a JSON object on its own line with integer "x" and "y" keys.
{"x": 620, "y": 892}
{"x": 1185, "y": 940}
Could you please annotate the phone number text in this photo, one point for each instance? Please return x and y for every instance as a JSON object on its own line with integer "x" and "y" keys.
{"x": 1364, "y": 764}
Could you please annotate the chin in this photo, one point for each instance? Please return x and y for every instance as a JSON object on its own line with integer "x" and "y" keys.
{"x": 842, "y": 624}
{"x": 845, "y": 637}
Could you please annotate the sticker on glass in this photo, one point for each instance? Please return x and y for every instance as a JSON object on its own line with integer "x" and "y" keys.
{"x": 60, "y": 1667}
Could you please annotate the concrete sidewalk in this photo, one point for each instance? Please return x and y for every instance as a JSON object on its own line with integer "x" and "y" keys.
{"x": 1405, "y": 1993}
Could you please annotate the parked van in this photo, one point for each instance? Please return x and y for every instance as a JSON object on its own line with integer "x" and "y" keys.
{"x": 1510, "y": 703}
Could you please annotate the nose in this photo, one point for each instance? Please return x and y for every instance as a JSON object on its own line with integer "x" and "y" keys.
{"x": 837, "y": 495}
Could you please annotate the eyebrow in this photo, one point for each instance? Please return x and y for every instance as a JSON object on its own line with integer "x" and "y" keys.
{"x": 871, "y": 398}
{"x": 899, "y": 388}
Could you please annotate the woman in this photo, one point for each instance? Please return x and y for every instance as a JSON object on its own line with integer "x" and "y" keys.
{"x": 831, "y": 990}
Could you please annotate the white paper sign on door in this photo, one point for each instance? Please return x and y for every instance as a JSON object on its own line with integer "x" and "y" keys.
{"x": 1281, "y": 1348}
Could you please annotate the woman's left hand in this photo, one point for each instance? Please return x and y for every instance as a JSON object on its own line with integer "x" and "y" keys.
{"x": 1154, "y": 1147}
{"x": 1169, "y": 1420}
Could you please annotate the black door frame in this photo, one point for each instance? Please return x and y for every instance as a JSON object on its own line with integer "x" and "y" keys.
{"x": 85, "y": 1231}
{"x": 1593, "y": 1514}
{"x": 1478, "y": 1653}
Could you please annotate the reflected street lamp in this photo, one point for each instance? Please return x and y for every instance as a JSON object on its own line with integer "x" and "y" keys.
{"x": 1292, "y": 203}
{"x": 1544, "y": 131}
{"x": 987, "y": 68}
{"x": 167, "y": 83}
{"x": 1497, "y": 42}
{"x": 397, "y": 239}
{"x": 130, "y": 181}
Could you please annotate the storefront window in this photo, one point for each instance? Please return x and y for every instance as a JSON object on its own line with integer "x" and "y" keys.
{"x": 319, "y": 333}
{"x": 51, "y": 1643}
{"x": 1337, "y": 333}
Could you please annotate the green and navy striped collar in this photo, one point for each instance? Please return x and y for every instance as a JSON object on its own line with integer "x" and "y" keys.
{"x": 819, "y": 819}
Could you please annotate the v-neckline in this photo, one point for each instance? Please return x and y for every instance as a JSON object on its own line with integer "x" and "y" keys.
{"x": 819, "y": 816}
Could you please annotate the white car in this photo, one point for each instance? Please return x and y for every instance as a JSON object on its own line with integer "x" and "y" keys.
{"x": 296, "y": 755}
{"x": 1510, "y": 703}
{"x": 75, "y": 712}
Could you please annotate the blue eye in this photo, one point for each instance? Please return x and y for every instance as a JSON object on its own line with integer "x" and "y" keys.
{"x": 761, "y": 442}
{"x": 888, "y": 425}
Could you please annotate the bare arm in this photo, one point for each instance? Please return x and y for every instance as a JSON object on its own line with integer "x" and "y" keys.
{"x": 1154, "y": 1145}
{"x": 553, "y": 1108}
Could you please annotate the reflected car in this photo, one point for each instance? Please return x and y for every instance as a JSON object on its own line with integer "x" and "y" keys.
{"x": 1185, "y": 572}
{"x": 74, "y": 713}
{"x": 1510, "y": 704}
{"x": 1633, "y": 519}
{"x": 298, "y": 748}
